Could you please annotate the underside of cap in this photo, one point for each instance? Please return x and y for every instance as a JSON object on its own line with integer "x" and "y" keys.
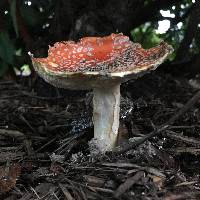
{"x": 111, "y": 59}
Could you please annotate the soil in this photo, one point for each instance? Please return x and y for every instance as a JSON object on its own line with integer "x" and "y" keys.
{"x": 44, "y": 135}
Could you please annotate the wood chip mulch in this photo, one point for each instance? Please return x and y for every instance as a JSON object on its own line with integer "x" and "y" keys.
{"x": 44, "y": 135}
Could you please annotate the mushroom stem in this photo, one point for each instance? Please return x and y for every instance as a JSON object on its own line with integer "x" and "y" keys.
{"x": 106, "y": 107}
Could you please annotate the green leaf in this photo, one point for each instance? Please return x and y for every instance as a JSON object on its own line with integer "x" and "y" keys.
{"x": 146, "y": 35}
{"x": 13, "y": 15}
{"x": 7, "y": 49}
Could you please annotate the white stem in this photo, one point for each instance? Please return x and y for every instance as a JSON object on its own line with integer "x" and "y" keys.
{"x": 106, "y": 107}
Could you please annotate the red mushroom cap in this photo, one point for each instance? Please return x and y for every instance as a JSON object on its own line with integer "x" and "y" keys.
{"x": 88, "y": 54}
{"x": 112, "y": 53}
{"x": 83, "y": 64}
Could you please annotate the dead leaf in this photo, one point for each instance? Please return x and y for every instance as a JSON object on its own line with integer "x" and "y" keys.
{"x": 8, "y": 176}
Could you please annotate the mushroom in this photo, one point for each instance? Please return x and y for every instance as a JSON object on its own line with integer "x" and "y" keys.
{"x": 101, "y": 64}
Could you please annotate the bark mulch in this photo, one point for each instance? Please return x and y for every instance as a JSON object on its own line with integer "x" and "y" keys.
{"x": 44, "y": 134}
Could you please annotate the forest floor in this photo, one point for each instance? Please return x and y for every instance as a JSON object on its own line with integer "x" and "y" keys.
{"x": 44, "y": 134}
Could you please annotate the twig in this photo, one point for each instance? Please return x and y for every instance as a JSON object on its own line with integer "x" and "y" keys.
{"x": 27, "y": 94}
{"x": 133, "y": 166}
{"x": 138, "y": 142}
{"x": 29, "y": 148}
{"x": 11, "y": 96}
{"x": 185, "y": 150}
{"x": 184, "y": 127}
{"x": 174, "y": 136}
{"x": 66, "y": 192}
{"x": 163, "y": 127}
{"x": 27, "y": 123}
{"x": 18, "y": 135}
{"x": 186, "y": 183}
{"x": 128, "y": 183}
{"x": 36, "y": 194}
{"x": 11, "y": 133}
{"x": 101, "y": 190}
{"x": 46, "y": 144}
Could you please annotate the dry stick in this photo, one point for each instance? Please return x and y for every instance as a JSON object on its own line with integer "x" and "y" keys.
{"x": 65, "y": 191}
{"x": 11, "y": 133}
{"x": 128, "y": 184}
{"x": 174, "y": 136}
{"x": 18, "y": 135}
{"x": 163, "y": 127}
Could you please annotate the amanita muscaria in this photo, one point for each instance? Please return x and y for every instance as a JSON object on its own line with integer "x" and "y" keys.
{"x": 101, "y": 64}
